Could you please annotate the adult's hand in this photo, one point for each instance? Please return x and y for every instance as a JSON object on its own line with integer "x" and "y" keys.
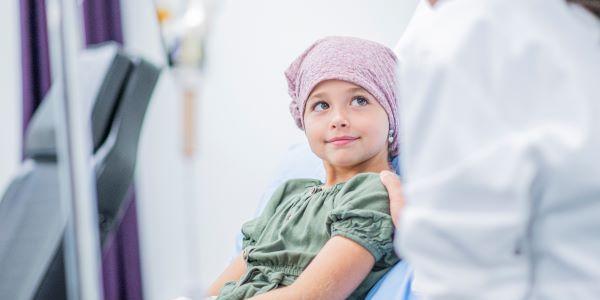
{"x": 393, "y": 185}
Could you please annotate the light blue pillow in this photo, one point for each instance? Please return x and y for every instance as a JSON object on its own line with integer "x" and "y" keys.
{"x": 301, "y": 162}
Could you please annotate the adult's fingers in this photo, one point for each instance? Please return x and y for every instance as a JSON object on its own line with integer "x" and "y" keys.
{"x": 393, "y": 185}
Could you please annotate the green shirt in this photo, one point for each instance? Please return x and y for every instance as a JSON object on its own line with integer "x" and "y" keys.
{"x": 300, "y": 218}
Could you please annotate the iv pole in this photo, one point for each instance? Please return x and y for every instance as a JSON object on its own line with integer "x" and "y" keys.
{"x": 73, "y": 135}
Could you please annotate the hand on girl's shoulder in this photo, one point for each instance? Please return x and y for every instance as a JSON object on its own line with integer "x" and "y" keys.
{"x": 364, "y": 190}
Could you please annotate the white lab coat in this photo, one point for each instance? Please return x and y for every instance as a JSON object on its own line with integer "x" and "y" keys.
{"x": 500, "y": 129}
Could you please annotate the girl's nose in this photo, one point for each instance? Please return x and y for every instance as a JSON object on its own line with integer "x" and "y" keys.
{"x": 339, "y": 121}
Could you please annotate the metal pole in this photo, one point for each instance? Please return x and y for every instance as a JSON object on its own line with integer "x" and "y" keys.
{"x": 73, "y": 136}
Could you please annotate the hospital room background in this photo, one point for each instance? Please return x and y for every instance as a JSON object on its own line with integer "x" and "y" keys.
{"x": 217, "y": 126}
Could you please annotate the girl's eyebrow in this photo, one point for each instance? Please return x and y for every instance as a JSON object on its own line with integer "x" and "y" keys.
{"x": 317, "y": 95}
{"x": 356, "y": 89}
{"x": 324, "y": 94}
{"x": 349, "y": 90}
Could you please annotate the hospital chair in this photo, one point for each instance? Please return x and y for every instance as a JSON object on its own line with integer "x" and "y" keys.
{"x": 118, "y": 88}
{"x": 300, "y": 162}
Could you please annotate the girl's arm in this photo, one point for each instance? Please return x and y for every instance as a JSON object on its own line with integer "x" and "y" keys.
{"x": 232, "y": 273}
{"x": 334, "y": 273}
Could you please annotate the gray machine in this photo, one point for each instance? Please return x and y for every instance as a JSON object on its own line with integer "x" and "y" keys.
{"x": 31, "y": 221}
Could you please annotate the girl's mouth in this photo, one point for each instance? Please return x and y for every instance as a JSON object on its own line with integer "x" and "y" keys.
{"x": 342, "y": 140}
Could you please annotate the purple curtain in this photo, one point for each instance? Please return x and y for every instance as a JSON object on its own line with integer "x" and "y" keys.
{"x": 102, "y": 21}
{"x": 120, "y": 256}
{"x": 35, "y": 56}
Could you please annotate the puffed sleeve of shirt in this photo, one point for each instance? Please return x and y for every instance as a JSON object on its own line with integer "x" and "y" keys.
{"x": 252, "y": 229}
{"x": 361, "y": 213}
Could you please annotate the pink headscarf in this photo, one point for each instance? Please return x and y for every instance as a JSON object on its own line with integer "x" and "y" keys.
{"x": 367, "y": 64}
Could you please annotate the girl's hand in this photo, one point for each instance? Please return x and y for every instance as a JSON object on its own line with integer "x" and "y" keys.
{"x": 394, "y": 187}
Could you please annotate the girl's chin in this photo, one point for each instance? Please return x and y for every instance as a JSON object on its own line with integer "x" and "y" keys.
{"x": 341, "y": 161}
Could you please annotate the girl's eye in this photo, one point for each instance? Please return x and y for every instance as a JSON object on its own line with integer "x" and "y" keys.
{"x": 360, "y": 101}
{"x": 319, "y": 106}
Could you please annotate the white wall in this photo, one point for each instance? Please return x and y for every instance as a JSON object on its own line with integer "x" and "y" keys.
{"x": 10, "y": 85}
{"x": 244, "y": 123}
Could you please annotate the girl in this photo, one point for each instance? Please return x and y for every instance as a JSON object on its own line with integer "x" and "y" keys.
{"x": 330, "y": 240}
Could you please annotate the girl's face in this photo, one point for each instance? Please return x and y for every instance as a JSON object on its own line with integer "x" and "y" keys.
{"x": 345, "y": 125}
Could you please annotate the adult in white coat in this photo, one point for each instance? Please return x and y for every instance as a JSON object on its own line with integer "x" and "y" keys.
{"x": 500, "y": 129}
